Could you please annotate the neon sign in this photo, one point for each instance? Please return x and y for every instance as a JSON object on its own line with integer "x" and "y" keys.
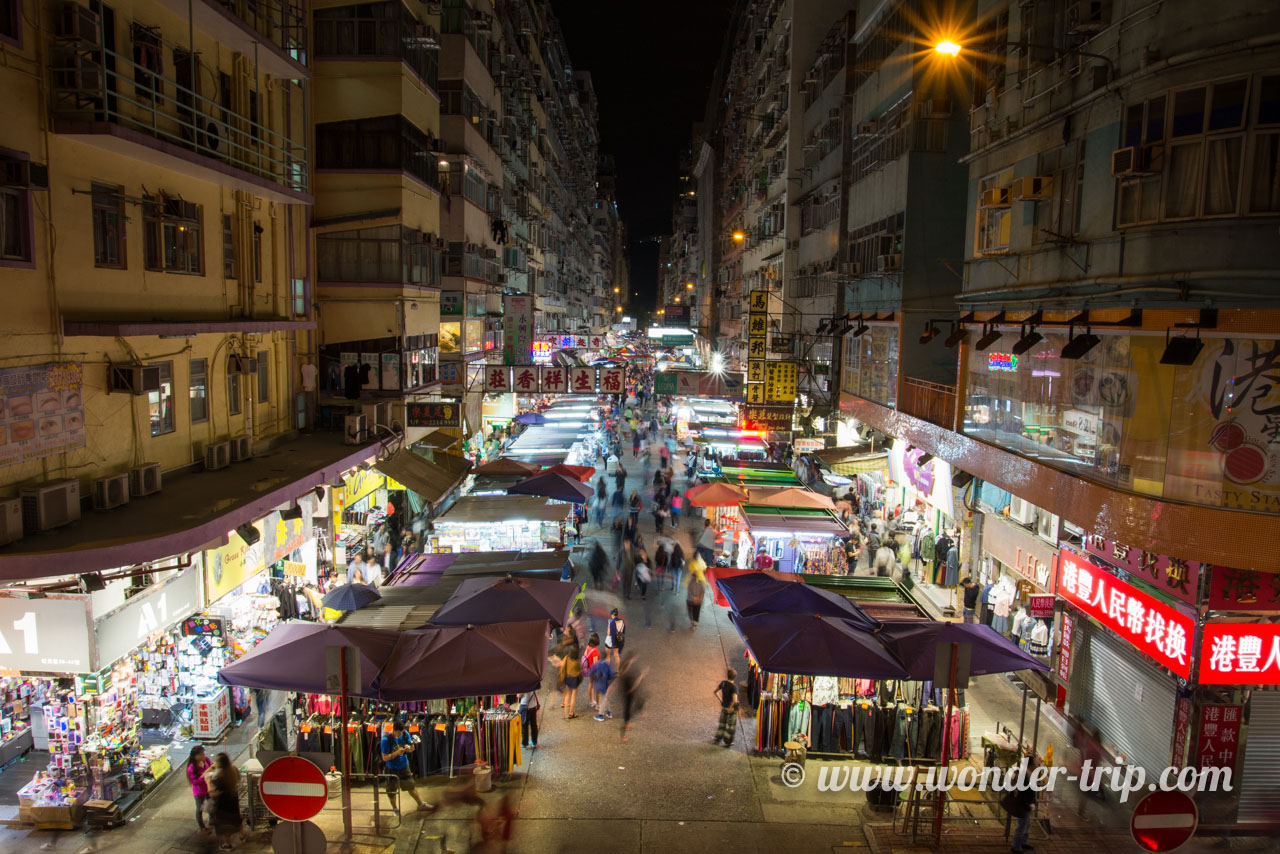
{"x": 1002, "y": 362}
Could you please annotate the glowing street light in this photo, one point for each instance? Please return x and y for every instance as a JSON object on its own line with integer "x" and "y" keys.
{"x": 739, "y": 236}
{"x": 618, "y": 308}
{"x": 689, "y": 285}
{"x": 947, "y": 48}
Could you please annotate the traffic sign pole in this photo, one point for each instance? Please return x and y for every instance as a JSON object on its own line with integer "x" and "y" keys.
{"x": 346, "y": 752}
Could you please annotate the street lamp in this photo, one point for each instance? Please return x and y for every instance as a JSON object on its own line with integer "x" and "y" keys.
{"x": 689, "y": 286}
{"x": 739, "y": 236}
{"x": 947, "y": 47}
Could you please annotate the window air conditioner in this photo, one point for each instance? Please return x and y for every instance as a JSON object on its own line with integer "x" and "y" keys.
{"x": 109, "y": 492}
{"x": 217, "y": 456}
{"x": 356, "y": 430}
{"x": 240, "y": 450}
{"x": 50, "y": 505}
{"x": 144, "y": 479}
{"x": 851, "y": 268}
{"x": 134, "y": 379}
{"x": 79, "y": 23}
{"x": 10, "y": 520}
{"x": 1029, "y": 189}
{"x": 25, "y": 175}
{"x": 866, "y": 129}
{"x": 241, "y": 364}
{"x": 889, "y": 263}
{"x": 997, "y": 197}
{"x": 1136, "y": 160}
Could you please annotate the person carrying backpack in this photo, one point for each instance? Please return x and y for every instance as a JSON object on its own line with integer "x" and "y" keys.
{"x": 616, "y": 638}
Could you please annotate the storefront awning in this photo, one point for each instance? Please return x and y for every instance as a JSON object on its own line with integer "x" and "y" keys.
{"x": 431, "y": 480}
{"x": 472, "y": 509}
{"x": 438, "y": 439}
{"x": 792, "y": 520}
{"x": 862, "y": 465}
{"x": 832, "y": 456}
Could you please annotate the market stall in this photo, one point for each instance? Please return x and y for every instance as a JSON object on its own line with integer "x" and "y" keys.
{"x": 791, "y": 539}
{"x": 482, "y": 523}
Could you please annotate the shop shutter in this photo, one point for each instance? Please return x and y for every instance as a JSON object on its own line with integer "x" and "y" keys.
{"x": 1106, "y": 675}
{"x": 1260, "y": 771}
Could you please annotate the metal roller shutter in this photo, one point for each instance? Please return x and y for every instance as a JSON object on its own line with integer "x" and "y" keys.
{"x": 1105, "y": 679}
{"x": 1260, "y": 773}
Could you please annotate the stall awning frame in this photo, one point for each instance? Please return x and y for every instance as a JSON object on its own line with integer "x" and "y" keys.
{"x": 432, "y": 480}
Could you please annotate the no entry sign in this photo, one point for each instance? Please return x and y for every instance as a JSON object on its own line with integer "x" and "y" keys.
{"x": 293, "y": 788}
{"x": 1162, "y": 821}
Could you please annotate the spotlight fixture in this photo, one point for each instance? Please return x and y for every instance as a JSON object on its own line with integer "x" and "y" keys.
{"x": 248, "y": 533}
{"x": 91, "y": 582}
{"x": 1181, "y": 350}
{"x": 925, "y": 459}
{"x": 319, "y": 491}
{"x": 958, "y": 334}
{"x": 1027, "y": 341}
{"x": 294, "y": 512}
{"x": 990, "y": 335}
{"x": 862, "y": 328}
{"x": 1078, "y": 345}
{"x": 930, "y": 332}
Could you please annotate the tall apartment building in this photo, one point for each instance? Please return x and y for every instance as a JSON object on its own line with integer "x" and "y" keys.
{"x": 154, "y": 214}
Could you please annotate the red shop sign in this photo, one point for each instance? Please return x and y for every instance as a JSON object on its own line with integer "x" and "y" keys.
{"x": 1242, "y": 590}
{"x": 1219, "y": 737}
{"x": 1040, "y": 606}
{"x": 1240, "y": 654}
{"x": 1173, "y": 576}
{"x": 1181, "y": 724}
{"x": 1151, "y": 626}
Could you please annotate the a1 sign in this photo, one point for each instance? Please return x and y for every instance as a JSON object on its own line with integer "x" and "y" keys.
{"x": 1163, "y": 821}
{"x": 293, "y": 788}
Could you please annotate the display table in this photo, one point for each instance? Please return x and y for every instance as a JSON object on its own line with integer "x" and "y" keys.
{"x": 15, "y": 746}
{"x": 210, "y": 715}
{"x": 44, "y": 804}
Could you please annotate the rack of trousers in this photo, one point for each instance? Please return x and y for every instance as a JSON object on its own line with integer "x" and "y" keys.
{"x": 886, "y": 720}
{"x": 448, "y": 735}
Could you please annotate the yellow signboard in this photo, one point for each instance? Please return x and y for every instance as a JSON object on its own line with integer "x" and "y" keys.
{"x": 229, "y": 566}
{"x": 295, "y": 569}
{"x": 360, "y": 485}
{"x": 780, "y": 381}
{"x": 755, "y": 393}
{"x": 755, "y": 348}
{"x": 757, "y": 325}
{"x": 759, "y": 302}
{"x": 755, "y": 371}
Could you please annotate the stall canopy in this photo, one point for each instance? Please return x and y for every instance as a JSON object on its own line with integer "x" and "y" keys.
{"x": 479, "y": 601}
{"x": 814, "y": 645}
{"x": 506, "y": 467}
{"x": 439, "y": 439}
{"x": 425, "y": 570}
{"x": 431, "y": 480}
{"x": 916, "y": 642}
{"x": 790, "y": 496}
{"x": 716, "y": 495}
{"x": 555, "y": 486}
{"x": 757, "y": 593}
{"x": 470, "y": 509}
{"x": 433, "y": 663}
{"x": 579, "y": 473}
{"x": 717, "y": 573}
{"x": 793, "y": 520}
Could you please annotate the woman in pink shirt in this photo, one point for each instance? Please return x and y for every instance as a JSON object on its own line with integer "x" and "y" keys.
{"x": 197, "y": 764}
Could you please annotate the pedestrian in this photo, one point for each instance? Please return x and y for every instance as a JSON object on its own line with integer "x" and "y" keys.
{"x": 224, "y": 790}
{"x": 677, "y": 503}
{"x": 706, "y": 545}
{"x": 617, "y": 501}
{"x": 616, "y": 636}
{"x": 629, "y": 686}
{"x": 570, "y": 654}
{"x": 675, "y": 565}
{"x": 602, "y": 674}
{"x": 261, "y": 699}
{"x": 629, "y": 564}
{"x": 598, "y": 564}
{"x": 727, "y": 692}
{"x": 395, "y": 748}
{"x": 971, "y": 591}
{"x": 635, "y": 443}
{"x": 693, "y": 598}
{"x": 530, "y": 706}
{"x": 643, "y": 574}
{"x": 659, "y": 514}
{"x": 602, "y": 498}
{"x": 1020, "y": 804}
{"x": 620, "y": 477}
{"x": 661, "y": 560}
{"x": 619, "y": 534}
{"x": 197, "y": 764}
{"x": 589, "y": 658}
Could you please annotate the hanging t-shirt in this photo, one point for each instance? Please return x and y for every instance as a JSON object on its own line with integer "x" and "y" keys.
{"x": 308, "y": 372}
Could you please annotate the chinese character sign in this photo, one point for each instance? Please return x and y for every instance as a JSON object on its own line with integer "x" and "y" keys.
{"x": 517, "y": 329}
{"x": 759, "y": 302}
{"x": 755, "y": 393}
{"x": 582, "y": 380}
{"x": 780, "y": 381}
{"x": 497, "y": 378}
{"x": 611, "y": 381}
{"x": 766, "y": 417}
{"x": 756, "y": 348}
{"x": 525, "y": 380}
{"x": 555, "y": 380}
{"x": 1218, "y": 737}
{"x": 1179, "y": 578}
{"x": 1240, "y": 654}
{"x": 1153, "y": 627}
{"x": 664, "y": 382}
{"x": 1064, "y": 648}
{"x": 1181, "y": 725}
{"x": 757, "y": 325}
{"x": 1242, "y": 590}
{"x": 755, "y": 371}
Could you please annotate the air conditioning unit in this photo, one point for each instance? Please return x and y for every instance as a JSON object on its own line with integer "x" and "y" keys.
{"x": 214, "y": 136}
{"x": 866, "y": 129}
{"x": 79, "y": 23}
{"x": 356, "y": 430}
{"x": 889, "y": 263}
{"x": 50, "y": 505}
{"x": 10, "y": 521}
{"x": 144, "y": 479}
{"x": 851, "y": 268}
{"x": 25, "y": 175}
{"x": 109, "y": 492}
{"x": 502, "y": 278}
{"x": 240, "y": 450}
{"x": 1029, "y": 189}
{"x": 133, "y": 379}
{"x": 490, "y": 253}
{"x": 1086, "y": 16}
{"x": 241, "y": 364}
{"x": 1021, "y": 511}
{"x": 1137, "y": 160}
{"x": 217, "y": 456}
{"x": 997, "y": 197}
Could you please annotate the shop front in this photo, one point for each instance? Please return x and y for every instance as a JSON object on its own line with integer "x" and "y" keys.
{"x": 492, "y": 523}
{"x": 1017, "y": 580}
{"x": 1125, "y": 646}
{"x": 920, "y": 510}
{"x": 791, "y": 539}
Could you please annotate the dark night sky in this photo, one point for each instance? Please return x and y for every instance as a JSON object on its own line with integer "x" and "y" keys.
{"x": 651, "y": 64}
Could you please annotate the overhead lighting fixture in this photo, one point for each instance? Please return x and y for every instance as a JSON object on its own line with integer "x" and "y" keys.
{"x": 990, "y": 335}
{"x": 294, "y": 512}
{"x": 1181, "y": 350}
{"x": 319, "y": 491}
{"x": 1078, "y": 345}
{"x": 958, "y": 334}
{"x": 924, "y": 459}
{"x": 248, "y": 533}
{"x": 930, "y": 332}
{"x": 862, "y": 328}
{"x": 1027, "y": 341}
{"x": 91, "y": 582}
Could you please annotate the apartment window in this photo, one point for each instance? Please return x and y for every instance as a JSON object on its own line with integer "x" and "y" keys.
{"x": 108, "y": 226}
{"x": 257, "y": 252}
{"x": 298, "y": 296}
{"x": 198, "y": 386}
{"x": 233, "y": 391}
{"x": 15, "y": 225}
{"x": 264, "y": 376}
{"x": 11, "y": 20}
{"x": 255, "y": 121}
{"x": 386, "y": 142}
{"x": 160, "y": 402}
{"x": 228, "y": 247}
{"x": 148, "y": 59}
{"x": 995, "y": 216}
{"x": 172, "y": 234}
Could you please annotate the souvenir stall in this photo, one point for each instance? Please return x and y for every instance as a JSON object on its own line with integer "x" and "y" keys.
{"x": 357, "y": 508}
{"x": 22, "y": 715}
{"x": 721, "y": 446}
{"x": 570, "y": 442}
{"x": 487, "y": 523}
{"x": 791, "y": 539}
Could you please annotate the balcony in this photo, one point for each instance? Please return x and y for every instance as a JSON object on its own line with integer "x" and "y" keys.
{"x": 386, "y": 143}
{"x": 471, "y": 264}
{"x": 272, "y": 32}
{"x": 391, "y": 255}
{"x": 106, "y": 100}
{"x": 341, "y": 35}
{"x": 930, "y": 402}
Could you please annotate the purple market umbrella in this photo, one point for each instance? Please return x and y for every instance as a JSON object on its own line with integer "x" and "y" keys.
{"x": 481, "y": 601}
{"x": 531, "y": 418}
{"x": 915, "y": 642}
{"x": 350, "y": 597}
{"x": 449, "y": 661}
{"x": 757, "y": 593}
{"x": 814, "y": 645}
{"x": 292, "y": 658}
{"x": 555, "y": 486}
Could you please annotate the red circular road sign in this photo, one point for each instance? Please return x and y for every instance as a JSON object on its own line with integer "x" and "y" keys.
{"x": 293, "y": 788}
{"x": 1162, "y": 821}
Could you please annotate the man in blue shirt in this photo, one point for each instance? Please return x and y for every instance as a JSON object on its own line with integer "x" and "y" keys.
{"x": 396, "y": 747}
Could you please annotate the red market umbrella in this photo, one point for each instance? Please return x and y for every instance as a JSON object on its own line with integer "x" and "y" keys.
{"x": 580, "y": 473}
{"x": 551, "y": 485}
{"x": 506, "y": 467}
{"x": 716, "y": 495}
{"x": 791, "y": 496}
